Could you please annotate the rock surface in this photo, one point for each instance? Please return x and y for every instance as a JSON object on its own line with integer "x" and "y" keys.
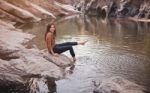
{"x": 118, "y": 85}
{"x": 115, "y": 8}
{"x": 23, "y": 11}
{"x": 20, "y": 66}
{"x": 61, "y": 60}
{"x": 17, "y": 11}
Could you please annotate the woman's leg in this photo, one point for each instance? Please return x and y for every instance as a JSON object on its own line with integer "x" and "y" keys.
{"x": 60, "y": 49}
{"x": 68, "y": 43}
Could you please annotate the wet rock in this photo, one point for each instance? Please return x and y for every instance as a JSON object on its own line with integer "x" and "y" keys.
{"x": 30, "y": 66}
{"x": 61, "y": 60}
{"x": 9, "y": 87}
{"x": 118, "y": 85}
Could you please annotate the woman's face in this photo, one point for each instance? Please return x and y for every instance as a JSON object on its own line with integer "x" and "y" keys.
{"x": 52, "y": 28}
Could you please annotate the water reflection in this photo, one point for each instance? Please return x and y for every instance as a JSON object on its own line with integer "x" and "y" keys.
{"x": 121, "y": 33}
{"x": 115, "y": 48}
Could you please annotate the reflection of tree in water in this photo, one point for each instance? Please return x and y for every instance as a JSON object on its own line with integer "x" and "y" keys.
{"x": 90, "y": 25}
{"x": 117, "y": 32}
{"x": 79, "y": 24}
{"x": 132, "y": 34}
{"x": 145, "y": 29}
{"x": 83, "y": 25}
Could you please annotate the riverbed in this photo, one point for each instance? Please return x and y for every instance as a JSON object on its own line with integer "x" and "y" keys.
{"x": 115, "y": 48}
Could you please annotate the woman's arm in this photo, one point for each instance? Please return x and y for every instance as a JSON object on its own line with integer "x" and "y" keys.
{"x": 49, "y": 43}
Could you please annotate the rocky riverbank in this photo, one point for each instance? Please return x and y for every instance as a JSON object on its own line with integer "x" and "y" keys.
{"x": 26, "y": 69}
{"x": 20, "y": 66}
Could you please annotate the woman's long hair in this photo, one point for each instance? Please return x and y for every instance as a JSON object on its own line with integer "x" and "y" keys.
{"x": 48, "y": 30}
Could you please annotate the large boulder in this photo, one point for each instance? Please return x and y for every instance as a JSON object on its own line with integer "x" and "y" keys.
{"x": 118, "y": 85}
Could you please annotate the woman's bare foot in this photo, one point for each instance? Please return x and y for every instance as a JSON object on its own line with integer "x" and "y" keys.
{"x": 82, "y": 43}
{"x": 74, "y": 59}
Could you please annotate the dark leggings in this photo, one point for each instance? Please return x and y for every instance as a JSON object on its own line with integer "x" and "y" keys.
{"x": 60, "y": 48}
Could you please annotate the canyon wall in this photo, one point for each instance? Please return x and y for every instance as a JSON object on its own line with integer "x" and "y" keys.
{"x": 115, "y": 8}
{"x": 23, "y": 11}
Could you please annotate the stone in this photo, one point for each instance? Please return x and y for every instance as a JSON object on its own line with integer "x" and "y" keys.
{"x": 118, "y": 85}
{"x": 61, "y": 60}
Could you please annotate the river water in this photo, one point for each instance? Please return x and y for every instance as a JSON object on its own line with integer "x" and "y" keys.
{"x": 115, "y": 48}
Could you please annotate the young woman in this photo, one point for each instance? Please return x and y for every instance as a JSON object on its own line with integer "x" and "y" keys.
{"x": 56, "y": 49}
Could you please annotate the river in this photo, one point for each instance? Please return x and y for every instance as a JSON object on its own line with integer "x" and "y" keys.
{"x": 115, "y": 48}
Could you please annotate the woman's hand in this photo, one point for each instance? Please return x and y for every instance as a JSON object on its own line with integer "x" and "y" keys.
{"x": 56, "y": 54}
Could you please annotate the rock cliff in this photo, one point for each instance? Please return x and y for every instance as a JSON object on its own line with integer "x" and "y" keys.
{"x": 115, "y": 8}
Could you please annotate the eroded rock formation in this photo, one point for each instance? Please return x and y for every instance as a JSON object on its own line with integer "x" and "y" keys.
{"x": 23, "y": 69}
{"x": 115, "y": 8}
{"x": 23, "y": 11}
{"x": 29, "y": 70}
